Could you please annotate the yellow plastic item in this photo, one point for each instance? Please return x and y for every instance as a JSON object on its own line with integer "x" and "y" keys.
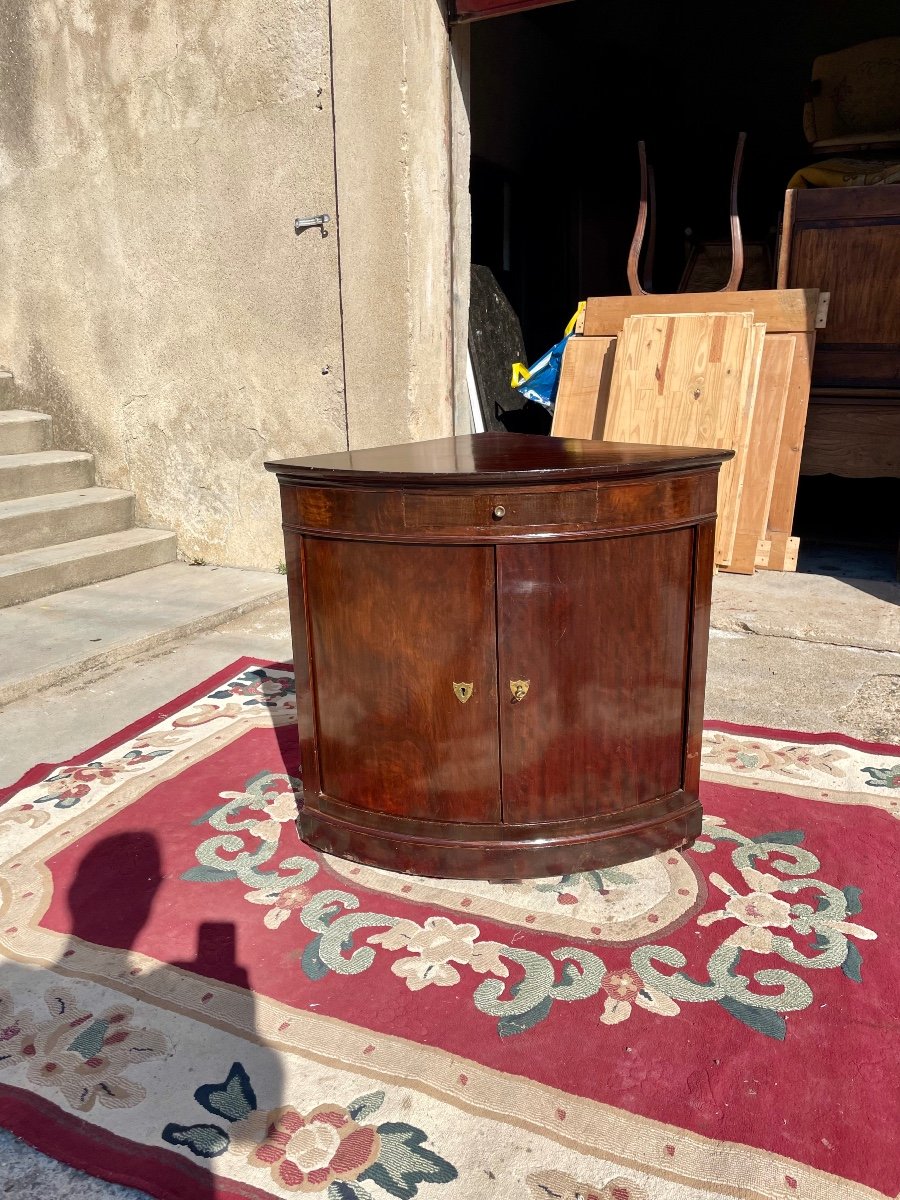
{"x": 520, "y": 373}
{"x": 570, "y": 328}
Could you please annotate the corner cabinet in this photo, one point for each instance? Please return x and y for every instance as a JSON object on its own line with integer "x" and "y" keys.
{"x": 500, "y": 646}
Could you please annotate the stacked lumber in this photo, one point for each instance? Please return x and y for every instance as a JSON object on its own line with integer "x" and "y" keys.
{"x": 726, "y": 370}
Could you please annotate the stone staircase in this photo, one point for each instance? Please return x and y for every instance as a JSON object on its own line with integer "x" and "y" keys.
{"x": 58, "y": 530}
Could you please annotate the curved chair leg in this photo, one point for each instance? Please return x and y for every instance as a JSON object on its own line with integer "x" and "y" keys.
{"x": 737, "y": 242}
{"x": 647, "y": 273}
{"x": 634, "y": 254}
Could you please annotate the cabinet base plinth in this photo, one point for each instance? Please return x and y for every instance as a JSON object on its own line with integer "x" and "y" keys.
{"x": 498, "y": 852}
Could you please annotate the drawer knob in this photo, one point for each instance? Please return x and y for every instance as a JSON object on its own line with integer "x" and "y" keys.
{"x": 499, "y": 513}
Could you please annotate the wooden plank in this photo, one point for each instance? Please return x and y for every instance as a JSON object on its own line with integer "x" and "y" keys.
{"x": 583, "y": 391}
{"x": 731, "y": 510}
{"x": 790, "y": 310}
{"x": 787, "y": 469}
{"x": 762, "y": 453}
{"x": 784, "y": 246}
{"x": 685, "y": 380}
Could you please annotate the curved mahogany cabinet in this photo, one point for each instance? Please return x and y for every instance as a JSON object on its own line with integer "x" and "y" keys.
{"x": 500, "y": 645}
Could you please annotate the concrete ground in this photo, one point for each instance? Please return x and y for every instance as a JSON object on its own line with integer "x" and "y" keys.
{"x": 810, "y": 652}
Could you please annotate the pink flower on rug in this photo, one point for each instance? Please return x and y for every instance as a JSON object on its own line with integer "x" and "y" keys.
{"x": 760, "y": 911}
{"x": 78, "y": 1054}
{"x": 201, "y": 714}
{"x": 437, "y": 944}
{"x": 624, "y": 988}
{"x": 743, "y": 754}
{"x": 281, "y": 808}
{"x": 309, "y": 1153}
{"x": 17, "y": 1032}
{"x": 283, "y": 903}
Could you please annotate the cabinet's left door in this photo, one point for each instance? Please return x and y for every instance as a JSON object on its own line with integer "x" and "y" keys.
{"x": 404, "y": 667}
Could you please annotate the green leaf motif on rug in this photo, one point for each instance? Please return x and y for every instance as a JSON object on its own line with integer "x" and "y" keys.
{"x": 852, "y": 964}
{"x": 343, "y": 1190}
{"x": 854, "y": 902}
{"x": 234, "y": 1099}
{"x": 365, "y": 1106}
{"x": 208, "y": 875}
{"x": 763, "y": 1020}
{"x": 206, "y": 1141}
{"x": 510, "y": 1025}
{"x": 310, "y": 962}
{"x": 886, "y": 777}
{"x": 90, "y": 1041}
{"x": 393, "y": 1156}
{"x": 404, "y": 1162}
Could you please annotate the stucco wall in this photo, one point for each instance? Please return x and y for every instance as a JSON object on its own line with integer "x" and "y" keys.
{"x": 153, "y": 295}
{"x": 391, "y": 84}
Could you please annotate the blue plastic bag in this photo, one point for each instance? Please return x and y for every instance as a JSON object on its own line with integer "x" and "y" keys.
{"x": 540, "y": 381}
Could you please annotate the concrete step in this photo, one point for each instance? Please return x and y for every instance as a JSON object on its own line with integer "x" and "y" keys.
{"x": 62, "y": 638}
{"x": 50, "y": 569}
{"x": 23, "y": 432}
{"x": 7, "y": 385}
{"x": 65, "y": 517}
{"x": 43, "y": 472}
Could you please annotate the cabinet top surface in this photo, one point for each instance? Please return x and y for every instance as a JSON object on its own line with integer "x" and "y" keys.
{"x": 495, "y": 457}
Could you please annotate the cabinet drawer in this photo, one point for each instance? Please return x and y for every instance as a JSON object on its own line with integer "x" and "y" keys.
{"x": 654, "y": 502}
{"x": 336, "y": 510}
{"x": 428, "y": 511}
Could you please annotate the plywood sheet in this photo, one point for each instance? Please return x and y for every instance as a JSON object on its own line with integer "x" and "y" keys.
{"x": 762, "y": 453}
{"x": 687, "y": 380}
{"x": 583, "y": 391}
{"x": 783, "y": 310}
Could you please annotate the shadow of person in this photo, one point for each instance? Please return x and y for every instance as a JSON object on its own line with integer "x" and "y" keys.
{"x": 110, "y": 901}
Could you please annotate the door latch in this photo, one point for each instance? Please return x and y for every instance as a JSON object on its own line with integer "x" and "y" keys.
{"x": 303, "y": 223}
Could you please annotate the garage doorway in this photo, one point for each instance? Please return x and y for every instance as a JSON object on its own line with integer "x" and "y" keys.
{"x": 559, "y": 98}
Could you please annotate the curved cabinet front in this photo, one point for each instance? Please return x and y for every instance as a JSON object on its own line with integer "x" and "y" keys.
{"x": 480, "y": 703}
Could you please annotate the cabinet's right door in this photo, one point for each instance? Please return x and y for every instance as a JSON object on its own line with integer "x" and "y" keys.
{"x": 598, "y": 631}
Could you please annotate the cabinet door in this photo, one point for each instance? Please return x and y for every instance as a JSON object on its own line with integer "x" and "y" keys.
{"x": 393, "y": 629}
{"x": 599, "y": 630}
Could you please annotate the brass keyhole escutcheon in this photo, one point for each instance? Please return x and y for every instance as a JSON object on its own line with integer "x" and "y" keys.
{"x": 519, "y": 689}
{"x": 463, "y": 691}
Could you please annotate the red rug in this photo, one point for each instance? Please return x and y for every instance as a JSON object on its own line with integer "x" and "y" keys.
{"x": 196, "y": 1004}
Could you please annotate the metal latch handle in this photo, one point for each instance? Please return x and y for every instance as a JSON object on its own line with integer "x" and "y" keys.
{"x": 302, "y": 223}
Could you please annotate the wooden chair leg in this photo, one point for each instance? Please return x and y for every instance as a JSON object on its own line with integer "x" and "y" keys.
{"x": 737, "y": 242}
{"x": 647, "y": 274}
{"x": 637, "y": 242}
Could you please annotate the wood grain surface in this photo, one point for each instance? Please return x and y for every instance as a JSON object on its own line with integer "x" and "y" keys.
{"x": 762, "y": 453}
{"x": 686, "y": 380}
{"x": 786, "y": 310}
{"x": 853, "y": 440}
{"x": 584, "y": 384}
{"x": 601, "y": 726}
{"x": 393, "y": 628}
{"x": 782, "y": 556}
